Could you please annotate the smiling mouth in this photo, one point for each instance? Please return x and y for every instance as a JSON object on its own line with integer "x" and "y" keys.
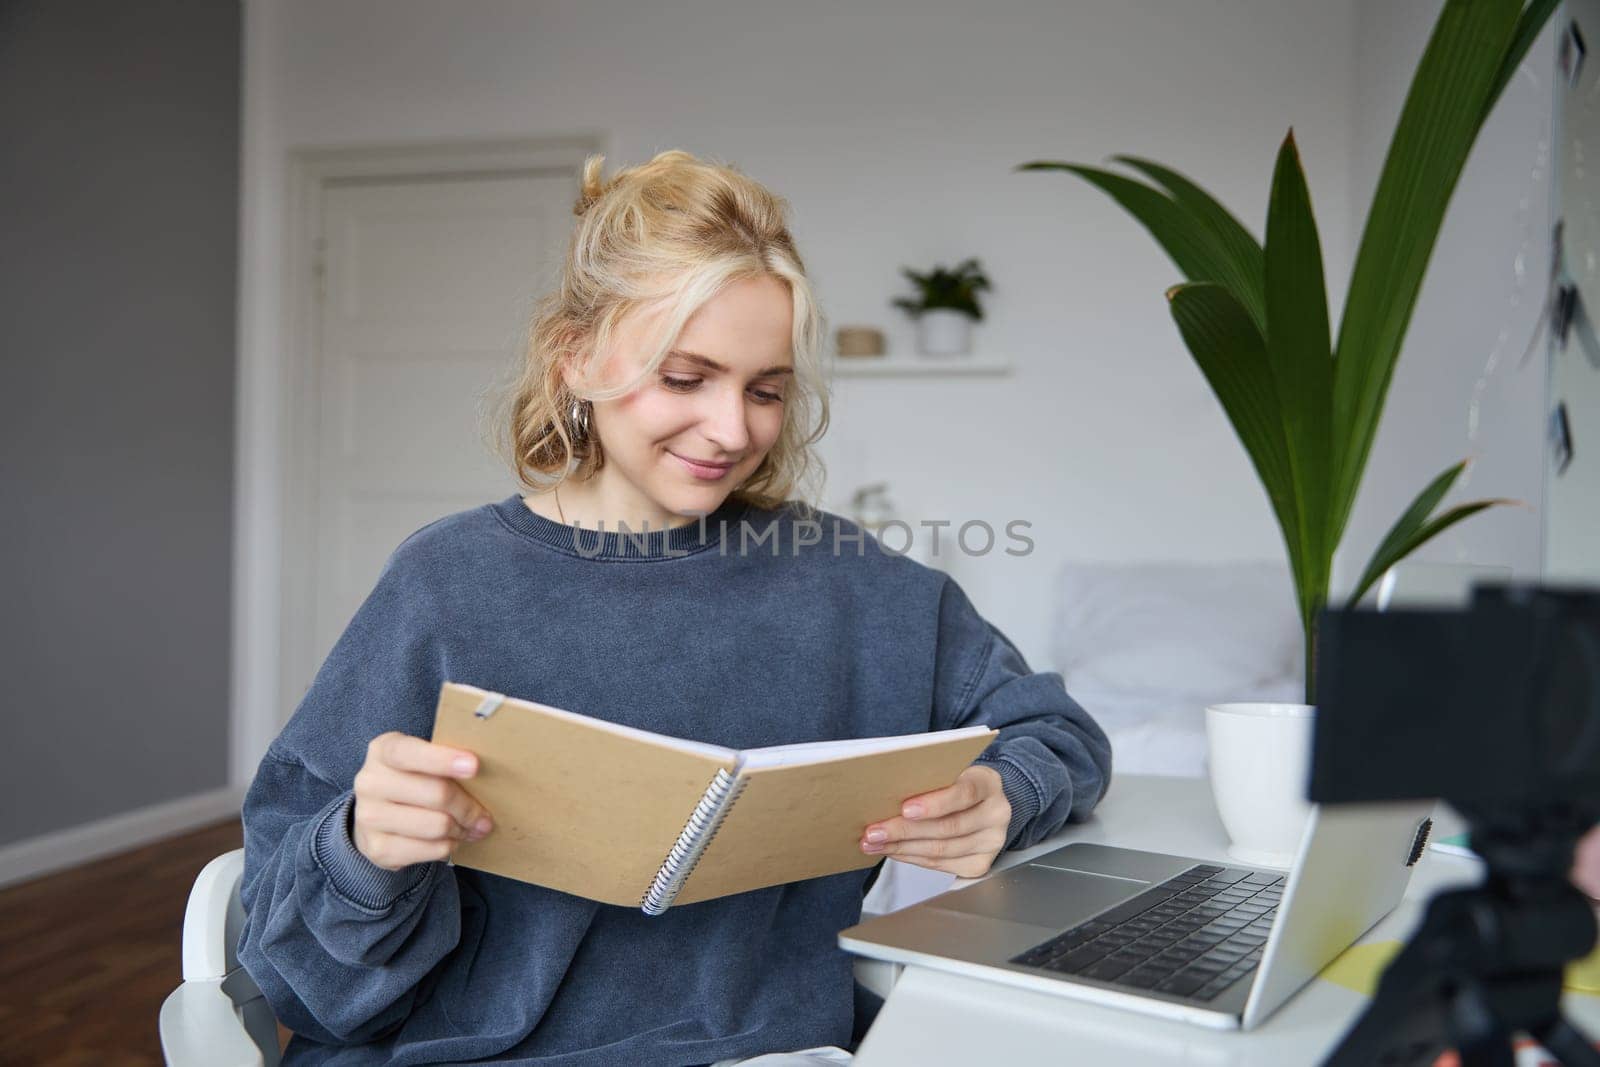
{"x": 702, "y": 468}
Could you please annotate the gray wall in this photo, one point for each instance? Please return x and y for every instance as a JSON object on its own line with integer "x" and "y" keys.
{"x": 118, "y": 204}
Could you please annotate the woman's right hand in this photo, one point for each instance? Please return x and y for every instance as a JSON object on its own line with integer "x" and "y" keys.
{"x": 410, "y": 807}
{"x": 1586, "y": 864}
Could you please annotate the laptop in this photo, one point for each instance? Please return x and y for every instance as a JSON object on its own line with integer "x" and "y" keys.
{"x": 1214, "y": 944}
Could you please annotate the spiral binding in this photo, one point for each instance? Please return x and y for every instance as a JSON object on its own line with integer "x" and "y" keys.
{"x": 697, "y": 833}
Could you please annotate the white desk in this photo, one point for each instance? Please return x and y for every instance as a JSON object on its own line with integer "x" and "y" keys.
{"x": 932, "y": 1018}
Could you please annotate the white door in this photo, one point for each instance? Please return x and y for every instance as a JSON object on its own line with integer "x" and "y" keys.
{"x": 427, "y": 289}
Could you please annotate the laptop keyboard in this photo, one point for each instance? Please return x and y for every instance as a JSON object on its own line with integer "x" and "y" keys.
{"x": 1191, "y": 936}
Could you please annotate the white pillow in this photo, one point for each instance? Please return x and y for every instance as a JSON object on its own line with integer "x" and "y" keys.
{"x": 1223, "y": 630}
{"x": 1165, "y": 733}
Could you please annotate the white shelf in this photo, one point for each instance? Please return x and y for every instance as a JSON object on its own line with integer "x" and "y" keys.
{"x": 971, "y": 366}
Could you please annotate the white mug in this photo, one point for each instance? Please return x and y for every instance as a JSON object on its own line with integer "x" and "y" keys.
{"x": 1260, "y": 761}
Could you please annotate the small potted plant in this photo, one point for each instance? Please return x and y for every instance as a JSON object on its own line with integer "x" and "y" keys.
{"x": 946, "y": 307}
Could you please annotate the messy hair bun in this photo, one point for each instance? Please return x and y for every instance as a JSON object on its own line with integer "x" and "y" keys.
{"x": 591, "y": 188}
{"x": 675, "y": 230}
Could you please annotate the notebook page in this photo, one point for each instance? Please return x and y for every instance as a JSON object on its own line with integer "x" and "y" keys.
{"x": 818, "y": 751}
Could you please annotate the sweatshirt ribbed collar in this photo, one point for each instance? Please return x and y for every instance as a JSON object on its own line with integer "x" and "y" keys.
{"x": 610, "y": 544}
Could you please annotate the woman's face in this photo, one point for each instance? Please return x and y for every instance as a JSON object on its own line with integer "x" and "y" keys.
{"x": 679, "y": 443}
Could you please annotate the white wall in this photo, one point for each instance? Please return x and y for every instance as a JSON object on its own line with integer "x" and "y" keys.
{"x": 1477, "y": 312}
{"x": 892, "y": 127}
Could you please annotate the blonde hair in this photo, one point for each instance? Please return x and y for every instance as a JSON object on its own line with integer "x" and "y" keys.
{"x": 675, "y": 230}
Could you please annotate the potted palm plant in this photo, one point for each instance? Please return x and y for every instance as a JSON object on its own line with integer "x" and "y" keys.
{"x": 945, "y": 307}
{"x": 1304, "y": 401}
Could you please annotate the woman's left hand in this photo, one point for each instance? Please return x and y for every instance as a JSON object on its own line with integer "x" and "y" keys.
{"x": 959, "y": 829}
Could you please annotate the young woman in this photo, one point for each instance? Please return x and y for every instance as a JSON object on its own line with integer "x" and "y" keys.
{"x": 671, "y": 385}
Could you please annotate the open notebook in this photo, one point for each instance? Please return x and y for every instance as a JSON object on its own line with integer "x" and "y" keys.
{"x": 629, "y": 817}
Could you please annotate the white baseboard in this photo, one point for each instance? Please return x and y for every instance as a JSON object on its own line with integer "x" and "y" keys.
{"x": 57, "y": 851}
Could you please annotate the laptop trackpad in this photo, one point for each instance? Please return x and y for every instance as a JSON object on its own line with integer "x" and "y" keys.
{"x": 1041, "y": 895}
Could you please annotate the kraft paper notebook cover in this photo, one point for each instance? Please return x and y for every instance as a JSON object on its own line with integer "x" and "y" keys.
{"x": 633, "y": 818}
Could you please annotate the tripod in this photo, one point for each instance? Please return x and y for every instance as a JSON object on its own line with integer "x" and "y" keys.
{"x": 1487, "y": 962}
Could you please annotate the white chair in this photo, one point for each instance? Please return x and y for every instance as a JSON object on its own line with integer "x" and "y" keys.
{"x": 217, "y": 1017}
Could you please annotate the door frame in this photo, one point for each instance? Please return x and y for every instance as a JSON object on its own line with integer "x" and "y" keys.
{"x": 272, "y": 653}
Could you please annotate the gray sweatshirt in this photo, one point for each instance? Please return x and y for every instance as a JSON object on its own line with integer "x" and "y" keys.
{"x": 746, "y": 629}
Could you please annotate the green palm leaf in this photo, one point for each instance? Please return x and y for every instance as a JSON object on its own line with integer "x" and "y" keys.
{"x": 1401, "y": 543}
{"x": 1194, "y": 248}
{"x": 1449, "y": 97}
{"x": 1414, "y": 528}
{"x": 1298, "y": 352}
{"x": 1408, "y": 523}
{"x": 1232, "y": 355}
{"x": 1255, "y": 318}
{"x": 1527, "y": 31}
{"x": 1245, "y": 272}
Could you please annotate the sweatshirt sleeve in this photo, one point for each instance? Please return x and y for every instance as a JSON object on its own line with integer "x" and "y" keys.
{"x": 1054, "y": 761}
{"x": 341, "y": 947}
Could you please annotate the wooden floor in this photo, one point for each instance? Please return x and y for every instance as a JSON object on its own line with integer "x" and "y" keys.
{"x": 88, "y": 955}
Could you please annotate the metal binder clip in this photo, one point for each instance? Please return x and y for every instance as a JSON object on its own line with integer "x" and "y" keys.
{"x": 490, "y": 704}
